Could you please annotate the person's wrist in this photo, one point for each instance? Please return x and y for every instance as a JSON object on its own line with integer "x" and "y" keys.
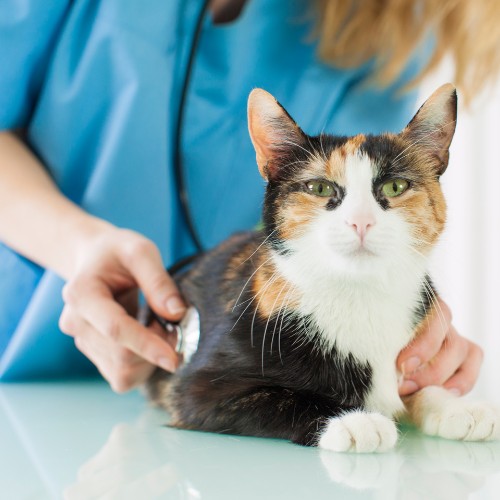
{"x": 83, "y": 234}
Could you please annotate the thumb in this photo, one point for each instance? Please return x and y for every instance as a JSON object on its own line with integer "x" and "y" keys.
{"x": 160, "y": 290}
{"x": 428, "y": 339}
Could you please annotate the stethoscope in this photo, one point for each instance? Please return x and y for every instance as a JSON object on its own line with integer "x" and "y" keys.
{"x": 178, "y": 165}
{"x": 188, "y": 329}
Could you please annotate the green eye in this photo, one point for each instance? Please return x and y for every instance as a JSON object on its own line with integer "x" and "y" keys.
{"x": 321, "y": 188}
{"x": 395, "y": 187}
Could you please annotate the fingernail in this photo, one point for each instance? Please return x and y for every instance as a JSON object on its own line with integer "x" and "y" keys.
{"x": 167, "y": 364}
{"x": 408, "y": 387}
{"x": 175, "y": 305}
{"x": 410, "y": 365}
{"x": 455, "y": 391}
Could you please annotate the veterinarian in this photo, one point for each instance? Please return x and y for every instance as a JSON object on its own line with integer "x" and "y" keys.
{"x": 90, "y": 205}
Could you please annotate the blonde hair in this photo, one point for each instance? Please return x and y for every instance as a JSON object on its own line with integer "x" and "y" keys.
{"x": 352, "y": 32}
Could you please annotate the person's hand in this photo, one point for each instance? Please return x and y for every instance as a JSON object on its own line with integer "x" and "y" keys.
{"x": 439, "y": 356}
{"x": 101, "y": 302}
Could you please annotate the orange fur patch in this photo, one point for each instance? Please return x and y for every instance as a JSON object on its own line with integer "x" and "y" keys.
{"x": 272, "y": 291}
{"x": 425, "y": 209}
{"x": 313, "y": 168}
{"x": 299, "y": 210}
{"x": 335, "y": 168}
{"x": 353, "y": 144}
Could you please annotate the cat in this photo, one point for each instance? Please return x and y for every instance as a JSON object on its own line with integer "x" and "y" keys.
{"x": 301, "y": 322}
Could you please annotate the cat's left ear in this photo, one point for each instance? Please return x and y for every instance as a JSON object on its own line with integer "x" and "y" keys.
{"x": 432, "y": 128}
{"x": 272, "y": 130}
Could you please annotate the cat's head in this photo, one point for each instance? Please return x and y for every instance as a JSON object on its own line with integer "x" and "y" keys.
{"x": 353, "y": 203}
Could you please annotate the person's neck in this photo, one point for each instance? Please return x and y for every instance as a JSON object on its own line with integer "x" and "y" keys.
{"x": 225, "y": 11}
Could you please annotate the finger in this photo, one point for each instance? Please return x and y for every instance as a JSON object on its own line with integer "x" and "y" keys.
{"x": 451, "y": 356}
{"x": 70, "y": 323}
{"x": 74, "y": 325}
{"x": 170, "y": 337}
{"x": 94, "y": 302}
{"x": 67, "y": 321}
{"x": 102, "y": 349}
{"x": 466, "y": 376}
{"x": 121, "y": 378}
{"x": 129, "y": 300}
{"x": 121, "y": 368}
{"x": 428, "y": 341}
{"x": 144, "y": 262}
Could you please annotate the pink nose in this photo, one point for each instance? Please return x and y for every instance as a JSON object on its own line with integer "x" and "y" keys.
{"x": 361, "y": 224}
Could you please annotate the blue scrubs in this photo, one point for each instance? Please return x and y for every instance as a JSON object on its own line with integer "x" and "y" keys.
{"x": 96, "y": 85}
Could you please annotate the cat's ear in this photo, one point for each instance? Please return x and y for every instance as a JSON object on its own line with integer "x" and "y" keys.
{"x": 272, "y": 131}
{"x": 432, "y": 128}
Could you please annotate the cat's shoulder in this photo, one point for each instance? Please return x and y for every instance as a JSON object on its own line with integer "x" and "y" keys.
{"x": 227, "y": 261}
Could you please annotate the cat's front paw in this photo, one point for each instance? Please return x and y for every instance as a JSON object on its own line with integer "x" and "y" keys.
{"x": 464, "y": 421}
{"x": 360, "y": 432}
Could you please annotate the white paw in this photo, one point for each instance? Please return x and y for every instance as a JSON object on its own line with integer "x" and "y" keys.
{"x": 463, "y": 420}
{"x": 360, "y": 432}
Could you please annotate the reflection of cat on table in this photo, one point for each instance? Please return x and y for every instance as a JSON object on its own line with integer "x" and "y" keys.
{"x": 147, "y": 460}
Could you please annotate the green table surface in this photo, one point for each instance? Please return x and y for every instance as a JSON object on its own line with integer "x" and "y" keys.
{"x": 79, "y": 440}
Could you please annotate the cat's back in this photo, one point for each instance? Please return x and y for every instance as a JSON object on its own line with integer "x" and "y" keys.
{"x": 215, "y": 280}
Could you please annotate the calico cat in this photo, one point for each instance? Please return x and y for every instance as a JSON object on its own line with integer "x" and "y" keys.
{"x": 301, "y": 323}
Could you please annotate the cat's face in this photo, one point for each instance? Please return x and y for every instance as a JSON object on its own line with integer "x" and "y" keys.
{"x": 353, "y": 203}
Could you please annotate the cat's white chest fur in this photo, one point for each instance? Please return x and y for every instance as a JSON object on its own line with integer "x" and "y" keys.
{"x": 361, "y": 293}
{"x": 370, "y": 317}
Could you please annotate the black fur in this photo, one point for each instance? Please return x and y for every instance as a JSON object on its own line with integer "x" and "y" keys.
{"x": 428, "y": 296}
{"x": 269, "y": 385}
{"x": 267, "y": 377}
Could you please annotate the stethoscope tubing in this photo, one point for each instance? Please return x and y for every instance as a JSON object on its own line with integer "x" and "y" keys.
{"x": 179, "y": 171}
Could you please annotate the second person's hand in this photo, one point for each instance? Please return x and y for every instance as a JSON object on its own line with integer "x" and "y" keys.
{"x": 439, "y": 355}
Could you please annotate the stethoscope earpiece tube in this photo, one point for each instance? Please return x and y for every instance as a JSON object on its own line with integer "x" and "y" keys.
{"x": 178, "y": 165}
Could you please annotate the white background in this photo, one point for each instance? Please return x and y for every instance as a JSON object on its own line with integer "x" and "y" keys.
{"x": 465, "y": 265}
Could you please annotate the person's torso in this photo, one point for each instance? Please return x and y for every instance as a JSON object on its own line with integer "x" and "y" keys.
{"x": 103, "y": 122}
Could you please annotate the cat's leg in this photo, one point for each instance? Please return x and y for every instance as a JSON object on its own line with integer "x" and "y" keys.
{"x": 276, "y": 412}
{"x": 437, "y": 412}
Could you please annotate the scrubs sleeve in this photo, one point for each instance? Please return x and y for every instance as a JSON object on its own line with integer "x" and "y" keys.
{"x": 28, "y": 32}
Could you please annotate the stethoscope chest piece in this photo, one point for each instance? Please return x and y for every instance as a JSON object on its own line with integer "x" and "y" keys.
{"x": 188, "y": 334}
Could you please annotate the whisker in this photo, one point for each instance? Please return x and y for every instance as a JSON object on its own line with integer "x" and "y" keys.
{"x": 442, "y": 319}
{"x": 250, "y": 303}
{"x": 291, "y": 143}
{"x": 267, "y": 324}
{"x": 282, "y": 310}
{"x": 432, "y": 295}
{"x": 257, "y": 249}
{"x": 321, "y": 145}
{"x": 423, "y": 138}
{"x": 407, "y": 269}
{"x": 296, "y": 163}
{"x": 281, "y": 324}
{"x": 271, "y": 280}
{"x": 248, "y": 281}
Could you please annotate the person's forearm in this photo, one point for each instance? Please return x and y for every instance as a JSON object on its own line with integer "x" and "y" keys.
{"x": 35, "y": 218}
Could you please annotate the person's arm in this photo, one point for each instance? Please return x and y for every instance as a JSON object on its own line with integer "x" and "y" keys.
{"x": 102, "y": 264}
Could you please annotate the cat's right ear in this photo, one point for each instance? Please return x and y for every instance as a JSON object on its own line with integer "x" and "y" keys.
{"x": 432, "y": 128}
{"x": 272, "y": 131}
